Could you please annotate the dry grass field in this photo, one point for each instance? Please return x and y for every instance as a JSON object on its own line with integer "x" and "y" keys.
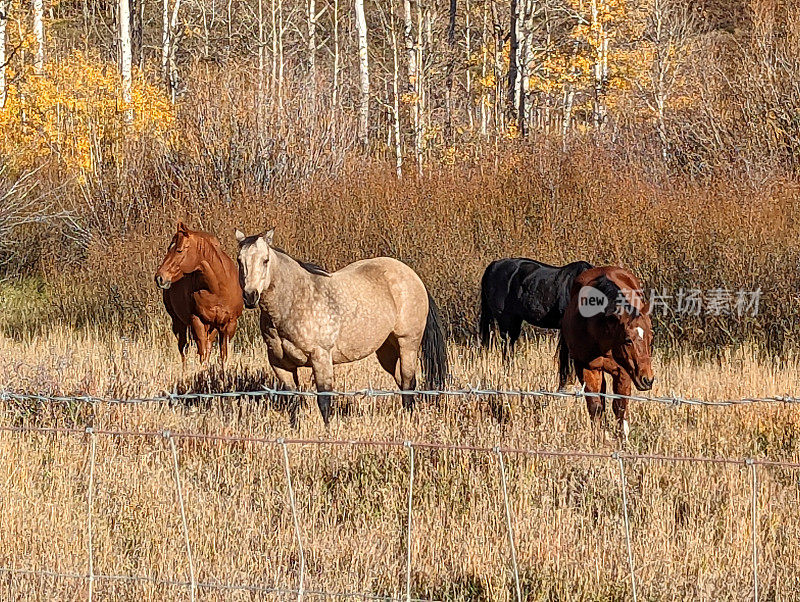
{"x": 690, "y": 523}
{"x": 659, "y": 135}
{"x": 88, "y": 321}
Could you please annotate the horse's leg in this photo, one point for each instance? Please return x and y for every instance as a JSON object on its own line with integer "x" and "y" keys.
{"x": 408, "y": 372}
{"x": 223, "y": 349}
{"x": 603, "y": 390}
{"x": 212, "y": 337}
{"x": 201, "y": 337}
{"x": 391, "y": 359}
{"x": 502, "y": 334}
{"x": 322, "y": 366}
{"x": 226, "y": 334}
{"x": 287, "y": 378}
{"x": 593, "y": 382}
{"x": 514, "y": 330}
{"x": 288, "y": 382}
{"x": 564, "y": 367}
{"x": 179, "y": 330}
{"x": 622, "y": 386}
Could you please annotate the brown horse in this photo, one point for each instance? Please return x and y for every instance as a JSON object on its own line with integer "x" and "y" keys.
{"x": 201, "y": 291}
{"x": 607, "y": 329}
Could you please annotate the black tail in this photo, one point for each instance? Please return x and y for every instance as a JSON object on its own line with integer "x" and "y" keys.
{"x": 566, "y": 367}
{"x": 434, "y": 349}
{"x": 486, "y": 318}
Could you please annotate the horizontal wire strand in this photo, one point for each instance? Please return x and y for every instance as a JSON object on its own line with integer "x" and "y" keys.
{"x": 670, "y": 400}
{"x": 545, "y": 453}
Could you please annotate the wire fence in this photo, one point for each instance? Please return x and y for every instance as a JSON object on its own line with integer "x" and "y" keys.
{"x": 668, "y": 400}
{"x": 619, "y": 459}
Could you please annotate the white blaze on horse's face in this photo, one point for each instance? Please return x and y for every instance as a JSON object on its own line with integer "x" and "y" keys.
{"x": 254, "y": 265}
{"x": 640, "y": 332}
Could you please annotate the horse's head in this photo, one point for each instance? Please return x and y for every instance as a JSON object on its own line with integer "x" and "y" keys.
{"x": 627, "y": 326}
{"x": 254, "y": 265}
{"x": 182, "y": 257}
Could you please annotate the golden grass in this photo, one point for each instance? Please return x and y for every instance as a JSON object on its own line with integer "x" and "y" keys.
{"x": 690, "y": 522}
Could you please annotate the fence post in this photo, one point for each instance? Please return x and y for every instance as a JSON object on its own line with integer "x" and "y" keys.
{"x": 754, "y": 513}
{"x": 300, "y": 586}
{"x": 410, "y": 447}
{"x": 192, "y": 582}
{"x": 623, "y": 483}
{"x": 89, "y": 504}
{"x": 502, "y": 466}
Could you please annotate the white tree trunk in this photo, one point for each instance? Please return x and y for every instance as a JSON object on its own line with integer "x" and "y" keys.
{"x": 261, "y": 43}
{"x": 468, "y": 42}
{"x": 398, "y": 148}
{"x": 38, "y": 32}
{"x": 420, "y": 134}
{"x": 600, "y": 65}
{"x": 335, "y": 92}
{"x": 450, "y": 73}
{"x": 361, "y": 26}
{"x": 173, "y": 69}
{"x": 3, "y": 21}
{"x": 165, "y": 44}
{"x": 484, "y": 97}
{"x": 413, "y": 77}
{"x": 274, "y": 82}
{"x": 312, "y": 41}
{"x": 125, "y": 58}
{"x": 569, "y": 99}
{"x": 280, "y": 54}
{"x": 528, "y": 13}
{"x": 168, "y": 47}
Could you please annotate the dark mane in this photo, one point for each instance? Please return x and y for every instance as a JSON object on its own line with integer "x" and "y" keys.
{"x": 308, "y": 266}
{"x": 618, "y": 302}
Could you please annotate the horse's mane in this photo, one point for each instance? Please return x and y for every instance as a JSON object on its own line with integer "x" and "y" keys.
{"x": 308, "y": 266}
{"x": 207, "y": 236}
{"x": 614, "y": 293}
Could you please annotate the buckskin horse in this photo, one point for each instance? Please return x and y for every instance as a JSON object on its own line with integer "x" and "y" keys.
{"x": 313, "y": 318}
{"x": 514, "y": 290}
{"x": 201, "y": 291}
{"x": 606, "y": 329}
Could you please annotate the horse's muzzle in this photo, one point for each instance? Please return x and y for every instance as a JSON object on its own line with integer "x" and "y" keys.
{"x": 250, "y": 299}
{"x": 162, "y": 283}
{"x": 644, "y": 383}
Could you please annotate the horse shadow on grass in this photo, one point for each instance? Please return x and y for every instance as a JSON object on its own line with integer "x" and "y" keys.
{"x": 227, "y": 390}
{"x": 217, "y": 383}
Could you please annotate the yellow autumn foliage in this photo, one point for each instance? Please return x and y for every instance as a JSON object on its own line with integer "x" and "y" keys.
{"x": 73, "y": 111}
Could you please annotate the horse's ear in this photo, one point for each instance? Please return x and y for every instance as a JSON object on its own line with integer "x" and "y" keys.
{"x": 268, "y": 236}
{"x": 182, "y": 229}
{"x": 612, "y": 308}
{"x": 240, "y": 236}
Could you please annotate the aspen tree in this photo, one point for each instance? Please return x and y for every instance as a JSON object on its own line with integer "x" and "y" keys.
{"x": 4, "y": 5}
{"x": 125, "y": 57}
{"x": 38, "y": 33}
{"x": 363, "y": 64}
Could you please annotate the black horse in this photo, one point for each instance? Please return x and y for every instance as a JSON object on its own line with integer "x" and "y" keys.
{"x": 517, "y": 289}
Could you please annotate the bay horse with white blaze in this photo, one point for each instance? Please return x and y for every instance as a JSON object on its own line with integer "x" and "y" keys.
{"x": 606, "y": 329}
{"x": 201, "y": 291}
{"x": 316, "y": 319}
